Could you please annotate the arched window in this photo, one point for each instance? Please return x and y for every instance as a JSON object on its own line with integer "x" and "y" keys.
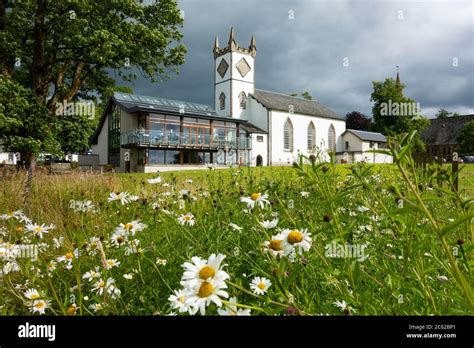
{"x": 311, "y": 136}
{"x": 222, "y": 100}
{"x": 331, "y": 139}
{"x": 288, "y": 136}
{"x": 243, "y": 100}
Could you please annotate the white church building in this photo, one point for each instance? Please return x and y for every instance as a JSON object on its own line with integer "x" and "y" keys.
{"x": 246, "y": 126}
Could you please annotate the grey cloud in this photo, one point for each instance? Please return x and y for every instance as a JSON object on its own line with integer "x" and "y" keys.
{"x": 307, "y": 52}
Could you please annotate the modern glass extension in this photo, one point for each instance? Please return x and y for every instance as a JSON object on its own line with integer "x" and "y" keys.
{"x": 167, "y": 139}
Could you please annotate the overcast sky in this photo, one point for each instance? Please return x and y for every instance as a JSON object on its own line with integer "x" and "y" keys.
{"x": 306, "y": 52}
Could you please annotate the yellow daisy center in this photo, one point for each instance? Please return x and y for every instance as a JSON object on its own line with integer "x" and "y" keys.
{"x": 71, "y": 310}
{"x": 276, "y": 245}
{"x": 19, "y": 229}
{"x": 34, "y": 296}
{"x": 207, "y": 272}
{"x": 38, "y": 229}
{"x": 128, "y": 226}
{"x": 181, "y": 299}
{"x": 39, "y": 304}
{"x": 93, "y": 245}
{"x": 295, "y": 237}
{"x": 255, "y": 196}
{"x": 120, "y": 239}
{"x": 205, "y": 290}
{"x": 101, "y": 284}
{"x": 261, "y": 286}
{"x": 10, "y": 214}
{"x": 187, "y": 217}
{"x": 110, "y": 262}
{"x": 69, "y": 255}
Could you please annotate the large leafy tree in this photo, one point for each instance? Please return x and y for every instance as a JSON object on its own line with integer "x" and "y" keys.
{"x": 391, "y": 110}
{"x": 466, "y": 139}
{"x": 443, "y": 113}
{"x": 357, "y": 120}
{"x": 66, "y": 51}
{"x": 394, "y": 113}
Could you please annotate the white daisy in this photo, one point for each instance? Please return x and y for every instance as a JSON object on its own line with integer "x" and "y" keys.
{"x": 32, "y": 294}
{"x": 123, "y": 197}
{"x": 178, "y": 300}
{"x": 201, "y": 270}
{"x": 343, "y": 306}
{"x": 235, "y": 227}
{"x": 295, "y": 240}
{"x": 92, "y": 274}
{"x": 111, "y": 263}
{"x": 260, "y": 285}
{"x": 12, "y": 215}
{"x": 304, "y": 194}
{"x": 38, "y": 306}
{"x": 274, "y": 246}
{"x": 255, "y": 198}
{"x": 66, "y": 259}
{"x": 269, "y": 224}
{"x": 232, "y": 309}
{"x": 204, "y": 294}
{"x": 187, "y": 219}
{"x": 161, "y": 262}
{"x": 39, "y": 230}
{"x": 128, "y": 276}
{"x": 156, "y": 180}
{"x": 102, "y": 285}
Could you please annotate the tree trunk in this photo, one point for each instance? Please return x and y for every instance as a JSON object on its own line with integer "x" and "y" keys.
{"x": 31, "y": 163}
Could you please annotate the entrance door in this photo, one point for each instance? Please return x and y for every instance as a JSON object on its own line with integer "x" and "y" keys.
{"x": 259, "y": 161}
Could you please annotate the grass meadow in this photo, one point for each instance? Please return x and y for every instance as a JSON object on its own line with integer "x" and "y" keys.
{"x": 313, "y": 239}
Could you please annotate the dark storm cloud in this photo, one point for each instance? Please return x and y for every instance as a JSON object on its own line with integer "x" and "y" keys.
{"x": 301, "y": 46}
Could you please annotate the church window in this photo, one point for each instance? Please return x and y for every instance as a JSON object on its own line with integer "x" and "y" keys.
{"x": 331, "y": 139}
{"x": 222, "y": 101}
{"x": 311, "y": 136}
{"x": 243, "y": 100}
{"x": 288, "y": 136}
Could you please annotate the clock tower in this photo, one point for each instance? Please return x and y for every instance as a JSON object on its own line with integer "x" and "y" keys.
{"x": 234, "y": 76}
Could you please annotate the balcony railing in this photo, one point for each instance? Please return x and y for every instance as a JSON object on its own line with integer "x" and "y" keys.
{"x": 182, "y": 140}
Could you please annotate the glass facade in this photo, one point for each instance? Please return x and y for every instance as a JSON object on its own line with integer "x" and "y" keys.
{"x": 166, "y": 140}
{"x": 114, "y": 137}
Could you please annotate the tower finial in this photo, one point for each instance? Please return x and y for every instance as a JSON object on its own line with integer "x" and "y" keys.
{"x": 253, "y": 43}
{"x": 216, "y": 44}
{"x": 232, "y": 42}
{"x": 397, "y": 82}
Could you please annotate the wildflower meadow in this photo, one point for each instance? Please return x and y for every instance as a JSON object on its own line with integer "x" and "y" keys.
{"x": 317, "y": 238}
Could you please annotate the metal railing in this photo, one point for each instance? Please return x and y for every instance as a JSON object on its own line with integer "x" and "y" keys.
{"x": 167, "y": 139}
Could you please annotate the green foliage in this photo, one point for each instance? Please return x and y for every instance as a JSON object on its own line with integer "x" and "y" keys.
{"x": 407, "y": 272}
{"x": 466, "y": 139}
{"x": 25, "y": 124}
{"x": 443, "y": 113}
{"x": 305, "y": 95}
{"x": 73, "y": 132}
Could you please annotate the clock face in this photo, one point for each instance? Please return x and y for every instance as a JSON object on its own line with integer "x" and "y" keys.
{"x": 222, "y": 68}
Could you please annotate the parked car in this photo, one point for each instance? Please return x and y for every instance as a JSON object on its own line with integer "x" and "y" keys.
{"x": 468, "y": 159}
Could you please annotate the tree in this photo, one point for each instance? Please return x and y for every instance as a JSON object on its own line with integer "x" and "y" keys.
{"x": 66, "y": 51}
{"x": 73, "y": 132}
{"x": 357, "y": 120}
{"x": 306, "y": 95}
{"x": 393, "y": 113}
{"x": 466, "y": 139}
{"x": 25, "y": 125}
{"x": 443, "y": 113}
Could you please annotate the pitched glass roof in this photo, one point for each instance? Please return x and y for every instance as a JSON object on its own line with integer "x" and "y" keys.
{"x": 141, "y": 101}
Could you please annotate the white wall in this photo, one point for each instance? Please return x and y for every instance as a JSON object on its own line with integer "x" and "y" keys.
{"x": 233, "y": 83}
{"x": 128, "y": 122}
{"x": 358, "y": 148}
{"x": 300, "y": 126}
{"x": 102, "y": 146}
{"x": 259, "y": 148}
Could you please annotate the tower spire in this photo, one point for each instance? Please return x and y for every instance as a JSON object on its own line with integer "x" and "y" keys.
{"x": 397, "y": 82}
{"x": 216, "y": 44}
{"x": 232, "y": 42}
